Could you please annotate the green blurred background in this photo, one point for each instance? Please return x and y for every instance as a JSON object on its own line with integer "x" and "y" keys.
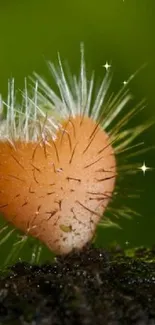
{"x": 117, "y": 31}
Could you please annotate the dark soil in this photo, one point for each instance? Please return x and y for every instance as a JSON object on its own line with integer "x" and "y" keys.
{"x": 88, "y": 288}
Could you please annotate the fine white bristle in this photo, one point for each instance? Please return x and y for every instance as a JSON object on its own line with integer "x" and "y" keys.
{"x": 42, "y": 109}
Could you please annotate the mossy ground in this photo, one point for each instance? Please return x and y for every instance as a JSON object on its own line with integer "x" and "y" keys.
{"x": 95, "y": 286}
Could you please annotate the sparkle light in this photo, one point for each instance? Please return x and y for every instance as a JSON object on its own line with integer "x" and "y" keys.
{"x": 127, "y": 242}
{"x": 144, "y": 168}
{"x": 107, "y": 66}
{"x": 125, "y": 82}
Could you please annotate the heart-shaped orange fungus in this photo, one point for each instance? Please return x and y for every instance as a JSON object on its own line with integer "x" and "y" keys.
{"x": 57, "y": 190}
